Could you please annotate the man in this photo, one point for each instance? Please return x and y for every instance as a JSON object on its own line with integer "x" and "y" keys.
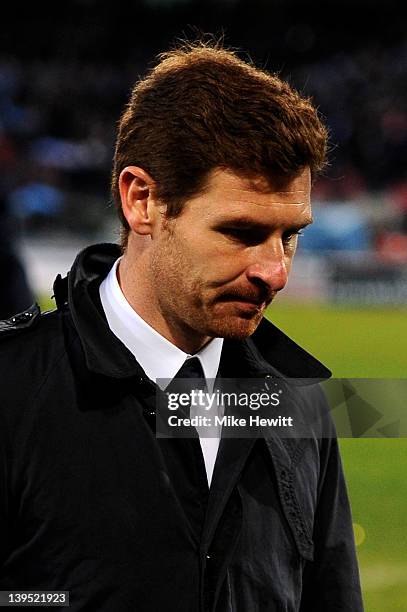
{"x": 212, "y": 176}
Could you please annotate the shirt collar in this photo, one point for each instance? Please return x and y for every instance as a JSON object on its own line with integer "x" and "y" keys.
{"x": 159, "y": 358}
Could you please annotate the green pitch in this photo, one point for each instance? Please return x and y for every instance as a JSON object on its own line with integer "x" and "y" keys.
{"x": 352, "y": 342}
{"x": 365, "y": 343}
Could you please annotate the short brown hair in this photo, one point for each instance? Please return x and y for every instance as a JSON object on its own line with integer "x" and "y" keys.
{"x": 202, "y": 107}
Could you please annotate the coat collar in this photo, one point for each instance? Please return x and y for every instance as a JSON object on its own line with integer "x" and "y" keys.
{"x": 267, "y": 351}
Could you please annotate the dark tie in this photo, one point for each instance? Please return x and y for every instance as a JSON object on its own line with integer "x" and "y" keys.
{"x": 192, "y": 368}
{"x": 183, "y": 454}
{"x": 189, "y": 377}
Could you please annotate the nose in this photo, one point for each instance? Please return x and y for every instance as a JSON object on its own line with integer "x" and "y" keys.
{"x": 270, "y": 271}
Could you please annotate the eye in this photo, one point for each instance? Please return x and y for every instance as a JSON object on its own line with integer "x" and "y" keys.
{"x": 246, "y": 236}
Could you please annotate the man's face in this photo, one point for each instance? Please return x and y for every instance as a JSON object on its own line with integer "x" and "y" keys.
{"x": 218, "y": 265}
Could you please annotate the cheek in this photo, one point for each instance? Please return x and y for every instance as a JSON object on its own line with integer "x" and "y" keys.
{"x": 186, "y": 263}
{"x": 204, "y": 263}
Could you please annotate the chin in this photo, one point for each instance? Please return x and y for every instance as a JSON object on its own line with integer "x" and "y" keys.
{"x": 236, "y": 328}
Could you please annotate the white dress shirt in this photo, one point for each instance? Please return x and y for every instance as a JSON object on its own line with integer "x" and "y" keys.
{"x": 159, "y": 358}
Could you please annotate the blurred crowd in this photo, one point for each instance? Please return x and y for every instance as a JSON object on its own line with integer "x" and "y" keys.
{"x": 58, "y": 122}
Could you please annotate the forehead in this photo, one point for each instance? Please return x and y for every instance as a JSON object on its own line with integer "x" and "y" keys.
{"x": 228, "y": 195}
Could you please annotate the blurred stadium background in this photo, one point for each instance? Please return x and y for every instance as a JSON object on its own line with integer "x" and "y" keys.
{"x": 64, "y": 77}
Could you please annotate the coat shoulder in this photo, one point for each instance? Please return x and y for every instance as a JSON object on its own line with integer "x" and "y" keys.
{"x": 29, "y": 330}
{"x": 20, "y": 322}
{"x": 30, "y": 343}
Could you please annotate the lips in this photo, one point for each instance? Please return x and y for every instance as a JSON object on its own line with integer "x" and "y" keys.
{"x": 256, "y": 302}
{"x": 259, "y": 301}
{"x": 247, "y": 301}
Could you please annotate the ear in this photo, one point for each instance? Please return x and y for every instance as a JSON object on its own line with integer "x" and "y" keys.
{"x": 137, "y": 196}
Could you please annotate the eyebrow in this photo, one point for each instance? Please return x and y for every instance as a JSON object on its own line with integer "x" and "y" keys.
{"x": 248, "y": 223}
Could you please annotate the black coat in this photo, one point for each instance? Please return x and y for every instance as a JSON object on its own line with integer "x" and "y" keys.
{"x": 93, "y": 503}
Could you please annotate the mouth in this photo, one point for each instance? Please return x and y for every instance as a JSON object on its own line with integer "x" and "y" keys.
{"x": 258, "y": 303}
{"x": 254, "y": 303}
{"x": 246, "y": 305}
